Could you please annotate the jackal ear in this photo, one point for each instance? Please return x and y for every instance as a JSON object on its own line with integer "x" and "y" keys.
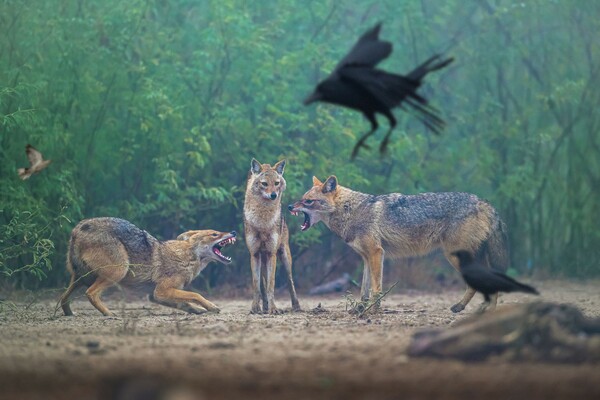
{"x": 186, "y": 235}
{"x": 330, "y": 184}
{"x": 255, "y": 166}
{"x": 316, "y": 181}
{"x": 279, "y": 167}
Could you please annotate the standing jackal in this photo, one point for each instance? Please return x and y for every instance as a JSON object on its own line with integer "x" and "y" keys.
{"x": 106, "y": 251}
{"x": 400, "y": 225}
{"x": 267, "y": 235}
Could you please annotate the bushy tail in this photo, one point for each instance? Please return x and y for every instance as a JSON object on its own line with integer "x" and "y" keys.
{"x": 497, "y": 251}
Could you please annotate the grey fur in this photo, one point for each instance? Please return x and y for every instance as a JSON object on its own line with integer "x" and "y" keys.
{"x": 397, "y": 225}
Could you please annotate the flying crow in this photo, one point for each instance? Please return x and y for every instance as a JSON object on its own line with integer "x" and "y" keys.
{"x": 356, "y": 83}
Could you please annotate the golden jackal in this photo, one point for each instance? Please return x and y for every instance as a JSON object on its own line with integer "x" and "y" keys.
{"x": 267, "y": 235}
{"x": 400, "y": 225}
{"x": 106, "y": 251}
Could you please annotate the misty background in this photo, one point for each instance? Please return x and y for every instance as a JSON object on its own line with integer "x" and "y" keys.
{"x": 151, "y": 111}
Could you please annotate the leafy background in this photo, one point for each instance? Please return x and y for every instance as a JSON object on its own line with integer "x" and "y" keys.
{"x": 151, "y": 111}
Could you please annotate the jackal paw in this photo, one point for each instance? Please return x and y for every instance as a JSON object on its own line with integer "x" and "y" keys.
{"x": 214, "y": 309}
{"x": 358, "y": 309}
{"x": 296, "y": 308}
{"x": 192, "y": 308}
{"x": 275, "y": 311}
{"x": 458, "y": 307}
{"x": 255, "y": 309}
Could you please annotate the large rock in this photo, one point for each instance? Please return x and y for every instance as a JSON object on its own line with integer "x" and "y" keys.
{"x": 543, "y": 332}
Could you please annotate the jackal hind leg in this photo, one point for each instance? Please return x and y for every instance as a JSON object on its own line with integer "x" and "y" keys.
{"x": 489, "y": 303}
{"x": 458, "y": 307}
{"x": 64, "y": 299}
{"x": 469, "y": 292}
{"x": 286, "y": 259}
{"x": 95, "y": 291}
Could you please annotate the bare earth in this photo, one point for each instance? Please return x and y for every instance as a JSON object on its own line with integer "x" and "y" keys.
{"x": 153, "y": 352}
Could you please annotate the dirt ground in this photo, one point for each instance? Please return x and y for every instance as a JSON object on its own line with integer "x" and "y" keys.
{"x": 153, "y": 352}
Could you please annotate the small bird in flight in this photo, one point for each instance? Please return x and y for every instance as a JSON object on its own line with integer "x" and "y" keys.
{"x": 36, "y": 160}
{"x": 488, "y": 281}
{"x": 355, "y": 83}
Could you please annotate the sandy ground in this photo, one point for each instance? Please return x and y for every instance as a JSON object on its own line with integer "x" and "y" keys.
{"x": 153, "y": 352}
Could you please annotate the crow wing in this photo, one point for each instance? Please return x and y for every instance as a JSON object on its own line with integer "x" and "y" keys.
{"x": 389, "y": 89}
{"x": 368, "y": 51}
{"x": 34, "y": 156}
{"x": 512, "y": 285}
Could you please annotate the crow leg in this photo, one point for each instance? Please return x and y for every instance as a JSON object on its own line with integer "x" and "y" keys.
{"x": 361, "y": 141}
{"x": 486, "y": 304}
{"x": 386, "y": 139}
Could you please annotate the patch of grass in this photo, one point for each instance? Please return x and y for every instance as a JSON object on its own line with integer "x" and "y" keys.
{"x": 363, "y": 307}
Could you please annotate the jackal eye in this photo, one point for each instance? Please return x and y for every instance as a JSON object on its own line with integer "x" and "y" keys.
{"x": 276, "y": 183}
{"x": 214, "y": 235}
{"x": 308, "y": 202}
{"x": 265, "y": 184}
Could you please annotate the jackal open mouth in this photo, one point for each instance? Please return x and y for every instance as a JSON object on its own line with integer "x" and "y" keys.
{"x": 220, "y": 245}
{"x": 306, "y": 224}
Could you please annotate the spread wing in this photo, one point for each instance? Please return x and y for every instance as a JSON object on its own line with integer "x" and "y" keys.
{"x": 34, "y": 156}
{"x": 368, "y": 51}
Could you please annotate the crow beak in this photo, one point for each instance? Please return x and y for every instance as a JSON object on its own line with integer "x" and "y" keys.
{"x": 315, "y": 96}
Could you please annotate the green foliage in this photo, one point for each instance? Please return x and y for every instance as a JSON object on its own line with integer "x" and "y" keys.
{"x": 152, "y": 110}
{"x": 26, "y": 244}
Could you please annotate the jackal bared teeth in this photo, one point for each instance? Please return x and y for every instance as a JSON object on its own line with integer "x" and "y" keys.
{"x": 225, "y": 242}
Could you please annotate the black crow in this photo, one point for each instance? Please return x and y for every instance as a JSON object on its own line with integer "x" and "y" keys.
{"x": 487, "y": 281}
{"x": 356, "y": 83}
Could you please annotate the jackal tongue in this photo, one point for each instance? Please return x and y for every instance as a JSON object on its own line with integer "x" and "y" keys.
{"x": 217, "y": 250}
{"x": 306, "y": 224}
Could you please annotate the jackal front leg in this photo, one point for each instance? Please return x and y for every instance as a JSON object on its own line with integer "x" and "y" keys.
{"x": 183, "y": 297}
{"x": 271, "y": 268}
{"x": 458, "y": 307}
{"x": 365, "y": 287}
{"x": 375, "y": 262}
{"x": 255, "y": 267}
{"x": 187, "y": 307}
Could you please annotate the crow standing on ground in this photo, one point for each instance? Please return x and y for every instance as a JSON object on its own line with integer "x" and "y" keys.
{"x": 356, "y": 83}
{"x": 488, "y": 281}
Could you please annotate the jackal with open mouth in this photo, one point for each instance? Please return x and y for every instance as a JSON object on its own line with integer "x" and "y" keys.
{"x": 397, "y": 225}
{"x": 108, "y": 251}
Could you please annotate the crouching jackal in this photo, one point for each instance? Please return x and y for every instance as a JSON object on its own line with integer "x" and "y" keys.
{"x": 106, "y": 251}
{"x": 267, "y": 235}
{"x": 398, "y": 225}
